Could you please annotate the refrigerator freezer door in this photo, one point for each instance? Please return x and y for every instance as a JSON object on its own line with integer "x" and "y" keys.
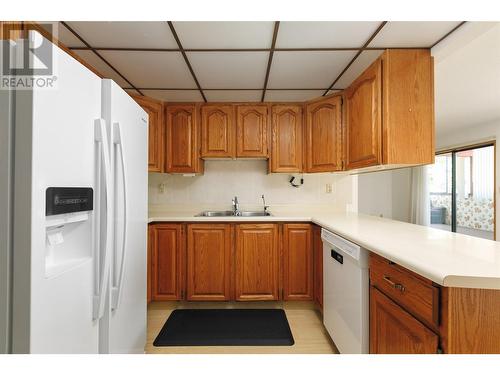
{"x": 54, "y": 281}
{"x": 6, "y": 194}
{"x": 126, "y": 319}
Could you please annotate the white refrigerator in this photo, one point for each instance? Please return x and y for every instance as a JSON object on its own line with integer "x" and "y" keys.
{"x": 73, "y": 208}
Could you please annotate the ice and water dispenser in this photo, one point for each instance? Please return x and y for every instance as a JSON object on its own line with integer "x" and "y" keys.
{"x": 68, "y": 225}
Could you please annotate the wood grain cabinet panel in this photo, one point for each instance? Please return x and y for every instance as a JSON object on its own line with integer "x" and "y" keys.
{"x": 287, "y": 134}
{"x": 323, "y": 135}
{"x": 154, "y": 109}
{"x": 389, "y": 112}
{"x": 209, "y": 249}
{"x": 413, "y": 292}
{"x": 408, "y": 107}
{"x": 297, "y": 262}
{"x": 364, "y": 119}
{"x": 167, "y": 241}
{"x": 318, "y": 266}
{"x": 394, "y": 331}
{"x": 182, "y": 138}
{"x": 149, "y": 272}
{"x": 257, "y": 262}
{"x": 251, "y": 131}
{"x": 218, "y": 131}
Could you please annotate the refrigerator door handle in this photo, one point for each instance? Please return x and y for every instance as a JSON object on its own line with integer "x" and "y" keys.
{"x": 102, "y": 278}
{"x": 116, "y": 290}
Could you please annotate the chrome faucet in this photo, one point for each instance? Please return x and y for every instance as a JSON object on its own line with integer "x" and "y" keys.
{"x": 264, "y": 203}
{"x": 236, "y": 206}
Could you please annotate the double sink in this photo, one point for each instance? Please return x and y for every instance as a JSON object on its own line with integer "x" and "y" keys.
{"x": 233, "y": 213}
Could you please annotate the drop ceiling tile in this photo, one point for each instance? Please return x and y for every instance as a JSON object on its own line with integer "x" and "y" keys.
{"x": 225, "y": 34}
{"x": 125, "y": 34}
{"x": 174, "y": 95}
{"x": 292, "y": 95}
{"x": 324, "y": 34}
{"x": 411, "y": 34}
{"x": 238, "y": 70}
{"x": 358, "y": 66}
{"x": 62, "y": 34}
{"x": 152, "y": 69}
{"x": 233, "y": 95}
{"x": 303, "y": 70}
{"x": 103, "y": 68}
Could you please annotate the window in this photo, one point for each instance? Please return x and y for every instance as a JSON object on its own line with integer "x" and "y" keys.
{"x": 461, "y": 187}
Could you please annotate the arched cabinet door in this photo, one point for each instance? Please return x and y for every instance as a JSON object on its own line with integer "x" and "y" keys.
{"x": 287, "y": 134}
{"x": 324, "y": 135}
{"x": 218, "y": 131}
{"x": 154, "y": 109}
{"x": 182, "y": 139}
{"x": 363, "y": 108}
{"x": 251, "y": 127}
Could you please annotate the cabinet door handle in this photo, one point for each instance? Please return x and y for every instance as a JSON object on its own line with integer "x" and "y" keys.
{"x": 397, "y": 286}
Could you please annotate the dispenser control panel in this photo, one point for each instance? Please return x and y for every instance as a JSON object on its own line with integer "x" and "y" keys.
{"x": 64, "y": 200}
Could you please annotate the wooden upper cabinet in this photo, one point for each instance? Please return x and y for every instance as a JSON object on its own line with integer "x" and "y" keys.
{"x": 182, "y": 140}
{"x": 297, "y": 262}
{"x": 287, "y": 133}
{"x": 323, "y": 135}
{"x": 257, "y": 262}
{"x": 154, "y": 109}
{"x": 251, "y": 131}
{"x": 218, "y": 131}
{"x": 389, "y": 112}
{"x": 363, "y": 108}
{"x": 408, "y": 107}
{"x": 394, "y": 331}
{"x": 209, "y": 248}
{"x": 168, "y": 247}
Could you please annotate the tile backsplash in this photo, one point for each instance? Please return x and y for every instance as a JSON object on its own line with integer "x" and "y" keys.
{"x": 248, "y": 179}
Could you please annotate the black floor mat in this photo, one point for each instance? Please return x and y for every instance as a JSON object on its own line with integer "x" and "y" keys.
{"x": 225, "y": 327}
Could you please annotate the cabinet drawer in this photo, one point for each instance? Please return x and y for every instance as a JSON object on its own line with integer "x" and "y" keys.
{"x": 416, "y": 294}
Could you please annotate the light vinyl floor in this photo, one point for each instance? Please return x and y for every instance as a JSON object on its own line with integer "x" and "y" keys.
{"x": 305, "y": 322}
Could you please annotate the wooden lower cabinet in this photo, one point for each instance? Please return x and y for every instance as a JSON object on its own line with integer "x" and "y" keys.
{"x": 297, "y": 262}
{"x": 167, "y": 244}
{"x": 395, "y": 331}
{"x": 257, "y": 262}
{"x": 411, "y": 314}
{"x": 209, "y": 248}
{"x": 318, "y": 266}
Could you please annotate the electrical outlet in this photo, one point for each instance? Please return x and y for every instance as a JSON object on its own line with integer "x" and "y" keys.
{"x": 328, "y": 188}
{"x": 162, "y": 187}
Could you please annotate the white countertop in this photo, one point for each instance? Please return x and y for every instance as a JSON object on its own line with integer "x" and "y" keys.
{"x": 448, "y": 259}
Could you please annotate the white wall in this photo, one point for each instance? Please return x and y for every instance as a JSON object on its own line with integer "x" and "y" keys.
{"x": 385, "y": 193}
{"x": 248, "y": 179}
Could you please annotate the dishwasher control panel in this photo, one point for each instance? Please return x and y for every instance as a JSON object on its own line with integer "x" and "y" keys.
{"x": 338, "y": 257}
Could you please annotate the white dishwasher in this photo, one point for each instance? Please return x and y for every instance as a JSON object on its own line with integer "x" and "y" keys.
{"x": 345, "y": 293}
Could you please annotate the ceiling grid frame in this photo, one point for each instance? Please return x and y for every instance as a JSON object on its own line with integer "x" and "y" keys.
{"x": 270, "y": 61}
{"x": 176, "y": 37}
{"x": 271, "y": 51}
{"x": 100, "y": 56}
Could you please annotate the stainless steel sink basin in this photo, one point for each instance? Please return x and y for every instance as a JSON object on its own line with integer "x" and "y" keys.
{"x": 254, "y": 213}
{"x": 232, "y": 213}
{"x": 216, "y": 213}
